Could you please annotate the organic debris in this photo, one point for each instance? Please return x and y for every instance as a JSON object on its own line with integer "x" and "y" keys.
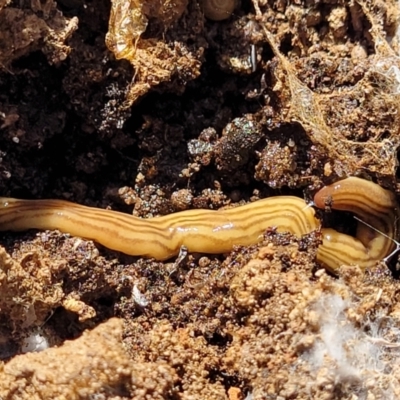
{"x": 22, "y": 31}
{"x": 155, "y": 60}
{"x": 330, "y": 119}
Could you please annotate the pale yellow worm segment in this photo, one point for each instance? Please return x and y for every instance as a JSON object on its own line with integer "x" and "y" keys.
{"x": 203, "y": 231}
{"x": 376, "y": 207}
{"x": 207, "y": 231}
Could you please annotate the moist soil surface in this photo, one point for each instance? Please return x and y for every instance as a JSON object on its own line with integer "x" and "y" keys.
{"x": 169, "y": 110}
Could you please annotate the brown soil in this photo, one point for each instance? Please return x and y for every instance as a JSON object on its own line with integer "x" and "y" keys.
{"x": 176, "y": 114}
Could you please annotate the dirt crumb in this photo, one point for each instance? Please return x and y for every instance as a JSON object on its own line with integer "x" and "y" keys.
{"x": 93, "y": 365}
{"x": 22, "y": 32}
